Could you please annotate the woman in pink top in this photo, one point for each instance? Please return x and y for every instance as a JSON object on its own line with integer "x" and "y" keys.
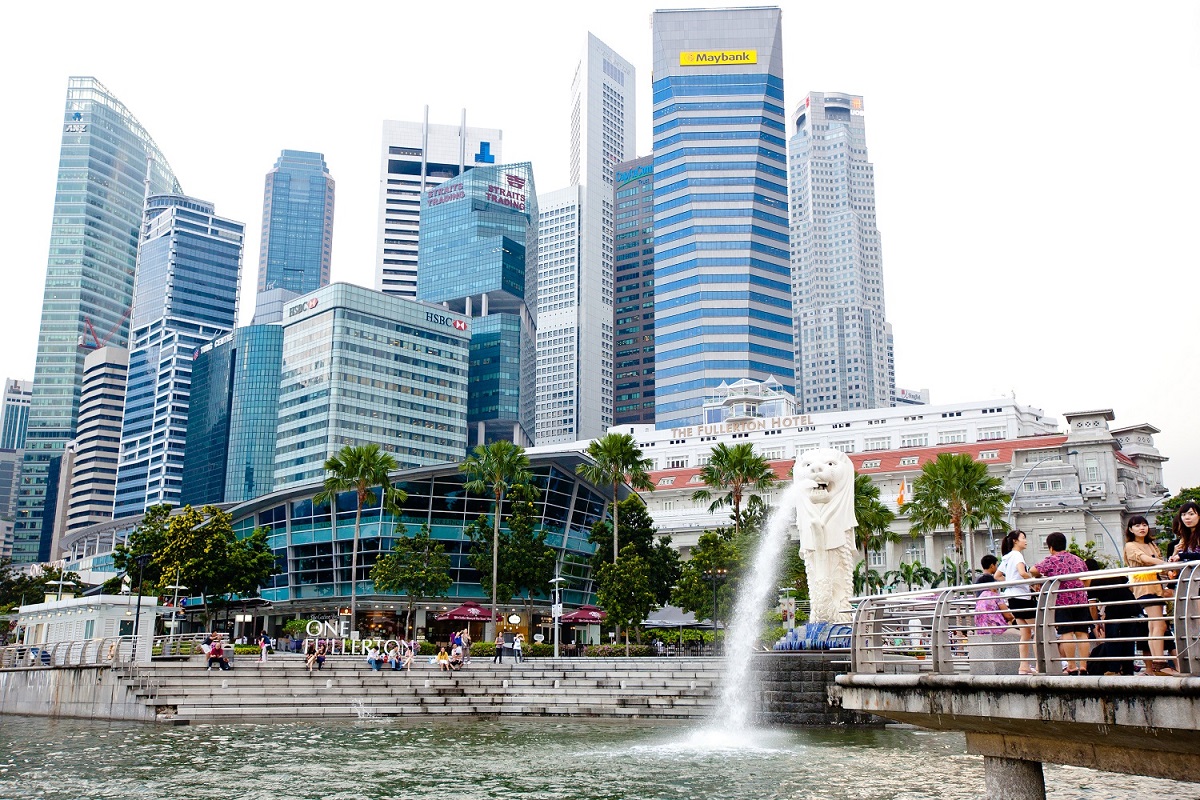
{"x": 1072, "y": 615}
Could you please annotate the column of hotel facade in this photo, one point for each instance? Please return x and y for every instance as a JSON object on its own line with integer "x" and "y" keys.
{"x": 418, "y": 156}
{"x": 633, "y": 276}
{"x": 478, "y": 258}
{"x": 296, "y": 244}
{"x": 578, "y": 309}
{"x": 722, "y": 276}
{"x": 362, "y": 367}
{"x": 233, "y": 414}
{"x": 843, "y": 342}
{"x": 89, "y": 279}
{"x": 93, "y": 477}
{"x": 189, "y": 267}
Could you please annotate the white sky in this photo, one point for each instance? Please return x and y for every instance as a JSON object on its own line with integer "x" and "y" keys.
{"x": 1036, "y": 163}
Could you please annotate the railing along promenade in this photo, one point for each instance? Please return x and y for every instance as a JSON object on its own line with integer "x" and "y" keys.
{"x": 932, "y": 658}
{"x": 114, "y": 650}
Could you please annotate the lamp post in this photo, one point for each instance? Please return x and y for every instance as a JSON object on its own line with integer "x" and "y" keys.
{"x": 1107, "y": 533}
{"x": 1012, "y": 501}
{"x": 715, "y": 576}
{"x": 556, "y": 609}
{"x": 141, "y": 561}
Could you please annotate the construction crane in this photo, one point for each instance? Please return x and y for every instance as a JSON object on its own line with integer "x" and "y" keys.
{"x": 97, "y": 343}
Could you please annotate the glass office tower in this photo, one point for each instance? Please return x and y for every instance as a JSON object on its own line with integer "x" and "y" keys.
{"x": 633, "y": 268}
{"x": 478, "y": 257}
{"x": 722, "y": 275}
{"x": 232, "y": 417}
{"x": 102, "y": 173}
{"x": 296, "y": 247}
{"x": 189, "y": 266}
{"x": 17, "y": 395}
{"x": 843, "y": 340}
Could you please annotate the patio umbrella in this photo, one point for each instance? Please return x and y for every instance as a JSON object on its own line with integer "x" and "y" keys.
{"x": 589, "y": 615}
{"x": 469, "y": 611}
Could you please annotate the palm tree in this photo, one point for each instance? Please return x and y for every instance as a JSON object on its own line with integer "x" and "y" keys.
{"x": 733, "y": 470}
{"x": 357, "y": 468}
{"x": 873, "y": 531}
{"x": 952, "y": 492}
{"x": 616, "y": 460}
{"x": 911, "y": 573}
{"x": 494, "y": 469}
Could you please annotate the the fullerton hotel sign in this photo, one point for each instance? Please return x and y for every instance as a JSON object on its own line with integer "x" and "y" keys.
{"x": 800, "y": 422}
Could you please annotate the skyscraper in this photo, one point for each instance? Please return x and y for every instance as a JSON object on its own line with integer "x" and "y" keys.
{"x": 233, "y": 414}
{"x": 633, "y": 275}
{"x": 297, "y": 224}
{"x": 418, "y": 156}
{"x": 722, "y": 276}
{"x": 478, "y": 258}
{"x": 575, "y": 305}
{"x": 93, "y": 478}
{"x": 367, "y": 368}
{"x": 89, "y": 278}
{"x": 189, "y": 266}
{"x": 843, "y": 342}
{"x": 17, "y": 395}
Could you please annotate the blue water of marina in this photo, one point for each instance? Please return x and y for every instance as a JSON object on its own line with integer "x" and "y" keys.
{"x": 463, "y": 759}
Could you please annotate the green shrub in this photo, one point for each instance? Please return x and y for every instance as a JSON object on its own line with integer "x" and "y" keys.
{"x": 246, "y": 650}
{"x": 618, "y": 651}
{"x": 539, "y": 650}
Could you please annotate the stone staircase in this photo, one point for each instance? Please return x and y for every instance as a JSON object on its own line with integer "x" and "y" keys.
{"x": 284, "y": 689}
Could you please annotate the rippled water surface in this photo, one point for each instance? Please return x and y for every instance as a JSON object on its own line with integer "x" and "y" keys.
{"x": 465, "y": 759}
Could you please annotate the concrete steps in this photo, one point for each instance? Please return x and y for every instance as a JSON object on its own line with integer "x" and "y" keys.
{"x": 284, "y": 689}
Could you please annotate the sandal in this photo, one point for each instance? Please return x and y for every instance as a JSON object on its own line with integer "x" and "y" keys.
{"x": 1165, "y": 671}
{"x": 1027, "y": 671}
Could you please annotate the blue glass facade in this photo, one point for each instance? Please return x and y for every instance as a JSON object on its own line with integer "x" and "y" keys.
{"x": 232, "y": 417}
{"x": 16, "y": 414}
{"x": 297, "y": 224}
{"x": 364, "y": 367}
{"x": 89, "y": 279}
{"x": 723, "y": 304}
{"x": 633, "y": 272}
{"x": 186, "y": 295}
{"x": 478, "y": 257}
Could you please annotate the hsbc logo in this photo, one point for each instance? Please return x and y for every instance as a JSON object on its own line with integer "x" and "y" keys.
{"x": 442, "y": 319}
{"x": 300, "y": 308}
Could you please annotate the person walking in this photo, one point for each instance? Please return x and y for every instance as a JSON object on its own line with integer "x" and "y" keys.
{"x": 518, "y": 654}
{"x": 264, "y": 644}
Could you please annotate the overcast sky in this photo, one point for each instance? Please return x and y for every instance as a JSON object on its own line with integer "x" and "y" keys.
{"x": 1036, "y": 163}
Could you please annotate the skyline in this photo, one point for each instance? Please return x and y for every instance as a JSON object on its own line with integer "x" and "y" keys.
{"x": 1035, "y": 128}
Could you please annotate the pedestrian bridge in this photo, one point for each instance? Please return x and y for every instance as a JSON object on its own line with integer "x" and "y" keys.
{"x": 932, "y": 658}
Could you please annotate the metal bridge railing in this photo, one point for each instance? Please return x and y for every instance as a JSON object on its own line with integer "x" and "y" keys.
{"x": 115, "y": 650}
{"x": 961, "y": 629}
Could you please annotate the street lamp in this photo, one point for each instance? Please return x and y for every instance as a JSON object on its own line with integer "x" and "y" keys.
{"x": 1107, "y": 533}
{"x": 715, "y": 576}
{"x": 557, "y": 609}
{"x": 1012, "y": 501}
{"x": 141, "y": 561}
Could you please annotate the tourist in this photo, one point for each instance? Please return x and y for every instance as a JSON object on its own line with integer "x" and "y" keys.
{"x": 466, "y": 645}
{"x": 373, "y": 658}
{"x": 1186, "y": 527}
{"x": 410, "y": 652}
{"x": 395, "y": 656}
{"x": 1071, "y": 613}
{"x": 990, "y": 564}
{"x": 499, "y": 657}
{"x": 1021, "y": 602}
{"x": 316, "y": 657}
{"x": 990, "y": 618}
{"x": 264, "y": 644}
{"x": 443, "y": 660}
{"x": 1117, "y": 620}
{"x": 1141, "y": 551}
{"x": 518, "y": 652}
{"x": 456, "y": 657}
{"x": 216, "y": 654}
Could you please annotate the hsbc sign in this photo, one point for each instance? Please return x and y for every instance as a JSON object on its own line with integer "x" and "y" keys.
{"x": 442, "y": 319}
{"x": 300, "y": 308}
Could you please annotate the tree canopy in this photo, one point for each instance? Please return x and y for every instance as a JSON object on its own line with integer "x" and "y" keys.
{"x": 417, "y": 567}
{"x": 662, "y": 560}
{"x": 730, "y": 475}
{"x": 624, "y": 590}
{"x": 873, "y": 530}
{"x": 955, "y": 491}
{"x": 18, "y": 588}
{"x": 616, "y": 460}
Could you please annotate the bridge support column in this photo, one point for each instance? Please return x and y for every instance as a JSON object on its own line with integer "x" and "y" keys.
{"x": 1013, "y": 779}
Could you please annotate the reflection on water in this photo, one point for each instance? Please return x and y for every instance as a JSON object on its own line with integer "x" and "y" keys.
{"x": 455, "y": 759}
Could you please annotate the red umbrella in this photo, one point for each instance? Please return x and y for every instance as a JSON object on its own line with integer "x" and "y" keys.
{"x": 585, "y": 614}
{"x": 469, "y": 610}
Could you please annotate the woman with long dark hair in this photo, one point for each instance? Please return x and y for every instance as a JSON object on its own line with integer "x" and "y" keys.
{"x": 1021, "y": 602}
{"x": 1186, "y": 527}
{"x": 1141, "y": 551}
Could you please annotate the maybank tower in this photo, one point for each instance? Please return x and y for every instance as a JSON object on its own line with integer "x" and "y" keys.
{"x": 722, "y": 276}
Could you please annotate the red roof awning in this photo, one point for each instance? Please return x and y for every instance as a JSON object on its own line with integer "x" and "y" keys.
{"x": 585, "y": 614}
{"x": 469, "y": 610}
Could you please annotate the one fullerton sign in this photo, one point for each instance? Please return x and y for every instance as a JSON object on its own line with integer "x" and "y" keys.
{"x": 716, "y": 58}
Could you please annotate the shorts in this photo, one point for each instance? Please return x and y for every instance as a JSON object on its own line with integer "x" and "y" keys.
{"x": 1072, "y": 619}
{"x": 1022, "y": 607}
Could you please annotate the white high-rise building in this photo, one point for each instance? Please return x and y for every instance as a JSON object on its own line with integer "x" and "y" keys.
{"x": 575, "y": 310}
{"x": 417, "y": 156}
{"x": 93, "y": 477}
{"x": 843, "y": 341}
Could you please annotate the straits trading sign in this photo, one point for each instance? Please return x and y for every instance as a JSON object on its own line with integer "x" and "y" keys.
{"x": 716, "y": 58}
{"x": 445, "y": 193}
{"x": 512, "y": 194}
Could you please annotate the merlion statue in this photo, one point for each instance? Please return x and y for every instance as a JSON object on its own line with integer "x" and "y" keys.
{"x": 824, "y": 481}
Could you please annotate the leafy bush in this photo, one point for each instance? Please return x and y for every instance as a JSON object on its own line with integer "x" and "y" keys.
{"x": 539, "y": 650}
{"x": 246, "y": 650}
{"x": 618, "y": 651}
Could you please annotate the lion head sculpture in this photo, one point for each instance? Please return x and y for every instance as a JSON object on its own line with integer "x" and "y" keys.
{"x": 825, "y": 499}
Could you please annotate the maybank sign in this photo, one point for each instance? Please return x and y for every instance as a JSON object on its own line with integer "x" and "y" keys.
{"x": 716, "y": 58}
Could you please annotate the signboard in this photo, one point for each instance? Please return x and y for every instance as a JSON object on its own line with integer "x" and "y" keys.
{"x": 716, "y": 58}
{"x": 446, "y": 193}
{"x": 442, "y": 319}
{"x": 556, "y": 610}
{"x": 300, "y": 308}
{"x": 634, "y": 174}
